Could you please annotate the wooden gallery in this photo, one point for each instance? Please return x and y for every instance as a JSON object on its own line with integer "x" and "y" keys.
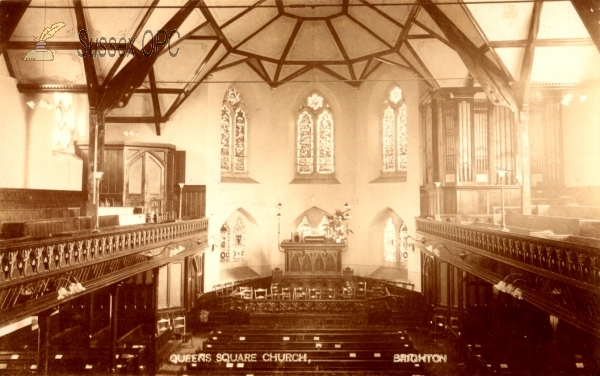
{"x": 323, "y": 187}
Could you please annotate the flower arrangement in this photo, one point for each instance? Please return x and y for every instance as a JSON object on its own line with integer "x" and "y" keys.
{"x": 334, "y": 228}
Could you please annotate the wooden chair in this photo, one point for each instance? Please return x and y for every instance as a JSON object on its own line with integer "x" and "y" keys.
{"x": 299, "y": 293}
{"x": 260, "y": 294}
{"x": 276, "y": 291}
{"x": 246, "y": 292}
{"x": 314, "y": 293}
{"x": 329, "y": 293}
{"x": 361, "y": 290}
{"x": 347, "y": 292}
{"x": 228, "y": 287}
{"x": 286, "y": 293}
{"x": 179, "y": 330}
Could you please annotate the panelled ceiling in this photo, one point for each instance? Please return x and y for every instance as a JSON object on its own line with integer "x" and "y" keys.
{"x": 498, "y": 44}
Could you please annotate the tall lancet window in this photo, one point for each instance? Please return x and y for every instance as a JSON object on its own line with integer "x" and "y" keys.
{"x": 395, "y": 161}
{"x": 234, "y": 134}
{"x": 389, "y": 241}
{"x": 239, "y": 240}
{"x": 315, "y": 129}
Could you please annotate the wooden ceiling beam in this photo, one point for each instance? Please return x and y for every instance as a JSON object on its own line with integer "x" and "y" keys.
{"x": 330, "y": 72}
{"x": 406, "y": 29}
{"x": 94, "y": 92}
{"x": 526, "y": 65}
{"x": 382, "y": 14}
{"x": 431, "y": 78}
{"x": 499, "y": 61}
{"x": 297, "y": 73}
{"x": 215, "y": 25}
{"x": 287, "y": 47}
{"x": 495, "y": 84}
{"x": 118, "y": 91}
{"x": 566, "y": 42}
{"x": 11, "y": 13}
{"x": 242, "y": 14}
{"x": 254, "y": 64}
{"x": 136, "y": 33}
{"x": 155, "y": 102}
{"x": 340, "y": 46}
{"x": 589, "y": 12}
{"x": 370, "y": 32}
{"x": 345, "y": 7}
{"x": 190, "y": 36}
{"x": 280, "y": 7}
{"x": 187, "y": 91}
{"x": 229, "y": 65}
{"x": 257, "y": 31}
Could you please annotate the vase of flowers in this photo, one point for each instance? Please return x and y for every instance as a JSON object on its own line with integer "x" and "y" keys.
{"x": 334, "y": 228}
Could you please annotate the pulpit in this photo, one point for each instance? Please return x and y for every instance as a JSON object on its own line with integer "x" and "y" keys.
{"x": 313, "y": 259}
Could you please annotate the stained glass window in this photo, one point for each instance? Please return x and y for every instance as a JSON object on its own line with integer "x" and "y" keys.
{"x": 394, "y": 133}
{"x": 305, "y": 143}
{"x": 238, "y": 241}
{"x": 225, "y": 139}
{"x": 315, "y": 148}
{"x": 225, "y": 243}
{"x": 234, "y": 133}
{"x": 389, "y": 241}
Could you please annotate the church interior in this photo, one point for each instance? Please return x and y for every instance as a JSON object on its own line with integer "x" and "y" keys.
{"x": 323, "y": 187}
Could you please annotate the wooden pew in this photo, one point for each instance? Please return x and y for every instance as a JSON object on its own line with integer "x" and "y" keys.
{"x": 279, "y": 350}
{"x": 17, "y": 362}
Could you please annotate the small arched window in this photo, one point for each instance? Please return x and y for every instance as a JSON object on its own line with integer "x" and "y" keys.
{"x": 314, "y": 135}
{"x": 395, "y": 161}
{"x": 389, "y": 241}
{"x": 395, "y": 242}
{"x": 234, "y": 134}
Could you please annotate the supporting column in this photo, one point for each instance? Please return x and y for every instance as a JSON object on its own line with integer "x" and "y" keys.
{"x": 43, "y": 342}
{"x": 523, "y": 174}
{"x": 461, "y": 297}
{"x": 89, "y": 318}
{"x": 152, "y": 351}
{"x": 95, "y": 161}
{"x": 114, "y": 337}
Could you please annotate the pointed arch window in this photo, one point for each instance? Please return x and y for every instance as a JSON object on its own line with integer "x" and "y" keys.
{"x": 234, "y": 134}
{"x": 394, "y": 137}
{"x": 389, "y": 240}
{"x": 315, "y": 139}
